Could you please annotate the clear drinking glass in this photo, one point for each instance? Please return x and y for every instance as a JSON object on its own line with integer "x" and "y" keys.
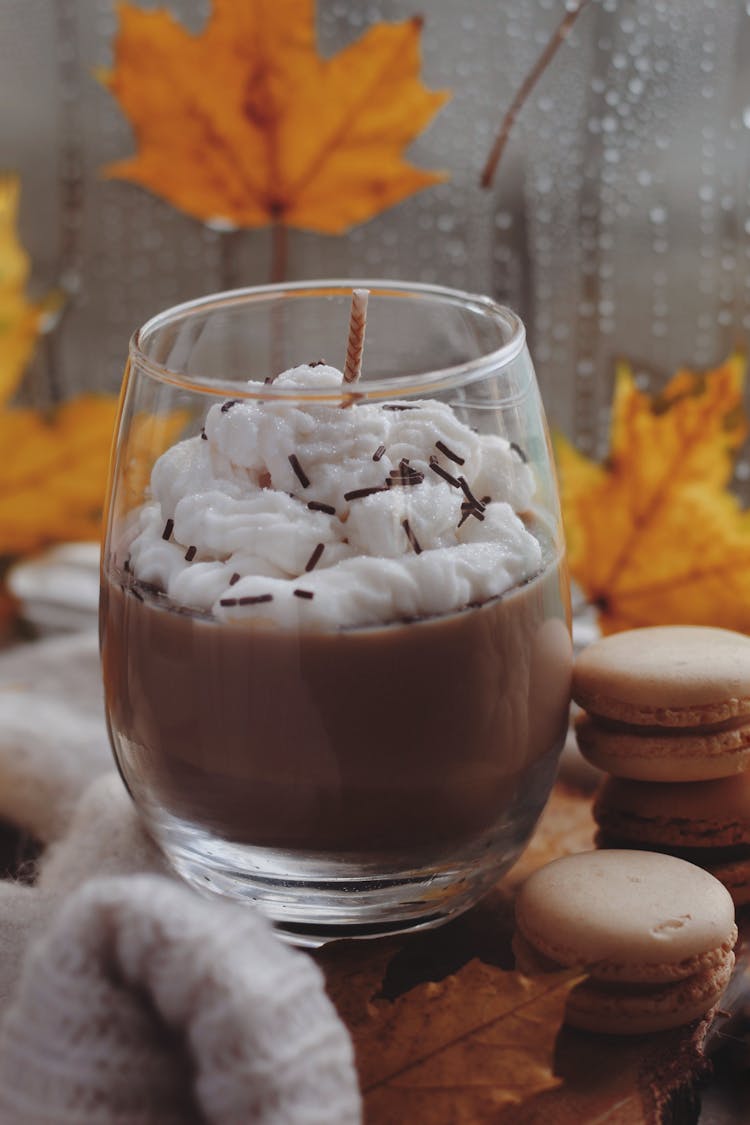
{"x": 335, "y": 617}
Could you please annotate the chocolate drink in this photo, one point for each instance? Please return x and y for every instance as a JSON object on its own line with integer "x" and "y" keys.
{"x": 414, "y": 737}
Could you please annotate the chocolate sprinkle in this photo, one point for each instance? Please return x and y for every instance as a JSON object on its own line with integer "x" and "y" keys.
{"x": 411, "y": 537}
{"x": 190, "y": 554}
{"x": 449, "y": 453}
{"x": 308, "y": 595}
{"x": 441, "y": 472}
{"x": 470, "y": 495}
{"x": 235, "y": 578}
{"x": 255, "y": 599}
{"x": 399, "y": 478}
{"x": 469, "y": 510}
{"x": 136, "y": 593}
{"x": 225, "y": 406}
{"x": 517, "y": 449}
{"x": 316, "y": 506}
{"x": 358, "y": 493}
{"x": 378, "y": 453}
{"x": 486, "y": 500}
{"x": 227, "y": 601}
{"x": 399, "y": 406}
{"x": 312, "y": 562}
{"x": 317, "y": 363}
{"x": 126, "y": 565}
{"x": 204, "y": 435}
{"x": 299, "y": 472}
{"x": 168, "y": 529}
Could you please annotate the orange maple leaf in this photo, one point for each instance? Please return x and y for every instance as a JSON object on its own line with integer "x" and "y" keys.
{"x": 654, "y": 537}
{"x": 246, "y": 124}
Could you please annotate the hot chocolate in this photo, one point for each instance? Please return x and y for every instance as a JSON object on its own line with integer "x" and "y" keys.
{"x": 336, "y": 629}
{"x": 402, "y": 738}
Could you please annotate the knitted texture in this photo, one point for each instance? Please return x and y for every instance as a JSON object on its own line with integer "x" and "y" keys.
{"x": 140, "y": 985}
{"x": 125, "y": 997}
{"x": 53, "y": 738}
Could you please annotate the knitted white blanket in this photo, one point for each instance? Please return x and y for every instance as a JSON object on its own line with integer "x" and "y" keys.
{"x": 125, "y": 997}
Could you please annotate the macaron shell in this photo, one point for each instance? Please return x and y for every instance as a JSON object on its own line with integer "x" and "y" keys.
{"x": 671, "y": 675}
{"x": 735, "y": 875}
{"x": 706, "y": 814}
{"x": 641, "y": 1012}
{"x": 683, "y": 756}
{"x": 632, "y": 915}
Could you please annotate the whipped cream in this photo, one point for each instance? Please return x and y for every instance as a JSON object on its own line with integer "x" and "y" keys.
{"x": 312, "y": 515}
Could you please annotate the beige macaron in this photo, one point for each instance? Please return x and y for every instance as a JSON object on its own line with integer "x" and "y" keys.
{"x": 669, "y": 703}
{"x": 706, "y": 822}
{"x": 654, "y": 933}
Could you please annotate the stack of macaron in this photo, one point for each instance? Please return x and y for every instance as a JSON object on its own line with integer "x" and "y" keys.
{"x": 667, "y": 715}
{"x": 653, "y": 933}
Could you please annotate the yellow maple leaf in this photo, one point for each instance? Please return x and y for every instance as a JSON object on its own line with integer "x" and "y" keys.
{"x": 245, "y": 123}
{"x": 654, "y": 537}
{"x": 20, "y": 319}
{"x": 54, "y": 474}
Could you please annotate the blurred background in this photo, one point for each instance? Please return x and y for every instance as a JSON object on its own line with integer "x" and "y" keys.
{"x": 619, "y": 222}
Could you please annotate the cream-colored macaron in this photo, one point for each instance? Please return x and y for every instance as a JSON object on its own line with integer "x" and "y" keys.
{"x": 654, "y": 933}
{"x": 669, "y": 703}
{"x": 668, "y": 675}
{"x": 666, "y": 754}
{"x": 706, "y": 822}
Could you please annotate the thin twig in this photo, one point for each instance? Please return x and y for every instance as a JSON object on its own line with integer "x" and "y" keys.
{"x": 560, "y": 35}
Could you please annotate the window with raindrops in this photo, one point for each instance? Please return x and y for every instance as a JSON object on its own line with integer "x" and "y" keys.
{"x": 585, "y": 162}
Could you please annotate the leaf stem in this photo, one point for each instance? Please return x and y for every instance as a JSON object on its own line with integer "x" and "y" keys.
{"x": 558, "y": 38}
{"x": 229, "y": 241}
{"x": 279, "y": 251}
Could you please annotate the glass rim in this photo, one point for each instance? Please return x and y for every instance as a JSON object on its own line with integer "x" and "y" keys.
{"x": 439, "y": 379}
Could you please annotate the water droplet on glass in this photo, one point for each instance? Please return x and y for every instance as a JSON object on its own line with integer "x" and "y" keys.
{"x": 657, "y": 214}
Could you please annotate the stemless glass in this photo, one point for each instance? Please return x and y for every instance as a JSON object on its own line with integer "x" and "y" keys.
{"x": 335, "y": 618}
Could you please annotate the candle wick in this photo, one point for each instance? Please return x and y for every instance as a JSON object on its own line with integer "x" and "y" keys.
{"x": 356, "y": 342}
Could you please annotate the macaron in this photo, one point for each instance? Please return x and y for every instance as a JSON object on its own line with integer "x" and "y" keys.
{"x": 707, "y": 823}
{"x": 654, "y": 933}
{"x": 668, "y": 703}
